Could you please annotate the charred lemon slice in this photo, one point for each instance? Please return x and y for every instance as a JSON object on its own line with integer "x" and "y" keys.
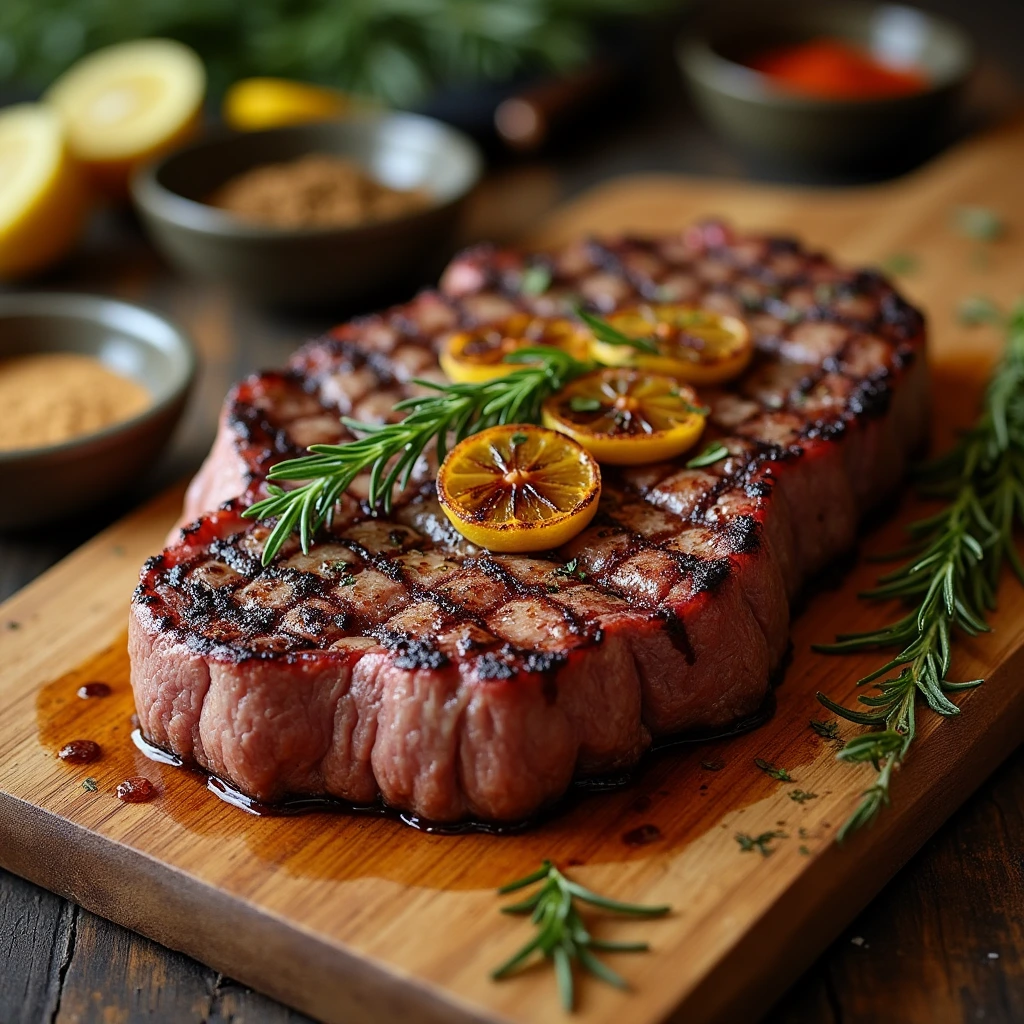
{"x": 125, "y": 104}
{"x": 625, "y": 417}
{"x": 692, "y": 344}
{"x": 470, "y": 357}
{"x": 519, "y": 488}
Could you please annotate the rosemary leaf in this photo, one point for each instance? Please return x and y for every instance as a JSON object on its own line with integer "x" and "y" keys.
{"x": 604, "y": 331}
{"x": 714, "y": 452}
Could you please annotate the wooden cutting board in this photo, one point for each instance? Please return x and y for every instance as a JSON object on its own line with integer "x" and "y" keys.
{"x": 361, "y": 919}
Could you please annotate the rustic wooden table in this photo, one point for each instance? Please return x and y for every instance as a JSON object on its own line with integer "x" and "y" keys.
{"x": 943, "y": 941}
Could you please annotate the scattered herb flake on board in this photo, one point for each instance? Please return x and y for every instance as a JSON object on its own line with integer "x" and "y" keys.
{"x": 714, "y": 452}
{"x": 712, "y": 766}
{"x": 562, "y": 936}
{"x": 780, "y": 774}
{"x": 979, "y": 223}
{"x": 89, "y": 785}
{"x": 900, "y": 263}
{"x": 978, "y": 309}
{"x": 804, "y": 850}
{"x": 535, "y": 280}
{"x": 761, "y": 843}
{"x": 12, "y": 624}
{"x": 801, "y": 796}
{"x": 827, "y": 731}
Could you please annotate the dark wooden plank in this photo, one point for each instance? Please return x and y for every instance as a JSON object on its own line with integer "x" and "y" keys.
{"x": 36, "y": 939}
{"x": 944, "y": 940}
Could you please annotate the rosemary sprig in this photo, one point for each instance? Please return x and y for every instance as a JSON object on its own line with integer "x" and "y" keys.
{"x": 949, "y": 581}
{"x": 561, "y": 935}
{"x": 390, "y": 451}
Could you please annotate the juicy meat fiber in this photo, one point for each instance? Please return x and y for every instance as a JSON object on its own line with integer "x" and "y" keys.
{"x": 395, "y": 661}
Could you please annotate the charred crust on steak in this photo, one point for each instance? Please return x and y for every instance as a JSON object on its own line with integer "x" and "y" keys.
{"x": 866, "y": 336}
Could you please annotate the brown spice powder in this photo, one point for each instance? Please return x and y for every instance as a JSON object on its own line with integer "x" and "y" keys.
{"x": 318, "y": 190}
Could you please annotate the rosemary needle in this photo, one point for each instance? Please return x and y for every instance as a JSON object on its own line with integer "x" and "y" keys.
{"x": 561, "y": 935}
{"x": 949, "y": 582}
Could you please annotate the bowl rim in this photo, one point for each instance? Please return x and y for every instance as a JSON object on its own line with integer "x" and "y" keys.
{"x": 155, "y": 199}
{"x": 97, "y": 308}
{"x": 701, "y": 62}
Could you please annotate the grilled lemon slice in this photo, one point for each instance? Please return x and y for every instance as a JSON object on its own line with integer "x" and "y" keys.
{"x": 43, "y": 201}
{"x": 625, "y": 417}
{"x": 126, "y": 103}
{"x": 519, "y": 488}
{"x": 470, "y": 357}
{"x": 693, "y": 344}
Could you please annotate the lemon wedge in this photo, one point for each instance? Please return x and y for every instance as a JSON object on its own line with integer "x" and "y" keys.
{"x": 43, "y": 201}
{"x": 519, "y": 488}
{"x": 127, "y": 103}
{"x": 256, "y": 103}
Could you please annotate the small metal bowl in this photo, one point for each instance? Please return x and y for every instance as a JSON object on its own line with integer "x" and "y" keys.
{"x": 751, "y": 110}
{"x": 311, "y": 265}
{"x": 56, "y": 481}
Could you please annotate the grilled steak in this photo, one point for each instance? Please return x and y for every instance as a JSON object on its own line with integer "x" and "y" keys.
{"x": 397, "y": 662}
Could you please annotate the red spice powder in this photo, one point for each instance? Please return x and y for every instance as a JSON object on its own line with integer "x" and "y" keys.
{"x": 834, "y": 69}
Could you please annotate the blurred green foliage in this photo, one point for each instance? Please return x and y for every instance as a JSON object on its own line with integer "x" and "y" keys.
{"x": 396, "y": 49}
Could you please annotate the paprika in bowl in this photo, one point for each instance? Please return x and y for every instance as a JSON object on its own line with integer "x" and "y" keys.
{"x": 828, "y": 85}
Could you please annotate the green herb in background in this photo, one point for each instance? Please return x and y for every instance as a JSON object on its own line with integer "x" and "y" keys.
{"x": 979, "y": 223}
{"x": 949, "y": 583}
{"x": 400, "y": 50}
{"x": 561, "y": 934}
{"x": 900, "y": 263}
{"x": 978, "y": 309}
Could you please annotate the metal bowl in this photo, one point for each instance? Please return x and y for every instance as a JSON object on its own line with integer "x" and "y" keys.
{"x": 758, "y": 116}
{"x": 56, "y": 481}
{"x": 311, "y": 265}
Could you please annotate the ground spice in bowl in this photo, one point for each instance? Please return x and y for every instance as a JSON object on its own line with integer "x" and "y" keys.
{"x": 315, "y": 191}
{"x": 53, "y": 397}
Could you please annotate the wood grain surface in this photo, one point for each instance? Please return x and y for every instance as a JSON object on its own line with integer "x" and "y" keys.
{"x": 362, "y": 919}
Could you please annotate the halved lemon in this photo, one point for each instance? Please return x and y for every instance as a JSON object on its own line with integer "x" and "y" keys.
{"x": 256, "y": 103}
{"x": 626, "y": 417}
{"x": 519, "y": 488}
{"x": 126, "y": 103}
{"x": 469, "y": 357}
{"x": 693, "y": 344}
{"x": 43, "y": 200}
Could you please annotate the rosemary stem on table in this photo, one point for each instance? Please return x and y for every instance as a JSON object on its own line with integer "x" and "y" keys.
{"x": 949, "y": 581}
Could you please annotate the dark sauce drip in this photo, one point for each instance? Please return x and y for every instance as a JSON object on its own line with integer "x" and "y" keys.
{"x": 90, "y": 690}
{"x": 136, "y": 790}
{"x": 80, "y": 752}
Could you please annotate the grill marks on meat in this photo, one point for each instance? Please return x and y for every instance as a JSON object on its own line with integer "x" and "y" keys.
{"x": 397, "y": 661}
